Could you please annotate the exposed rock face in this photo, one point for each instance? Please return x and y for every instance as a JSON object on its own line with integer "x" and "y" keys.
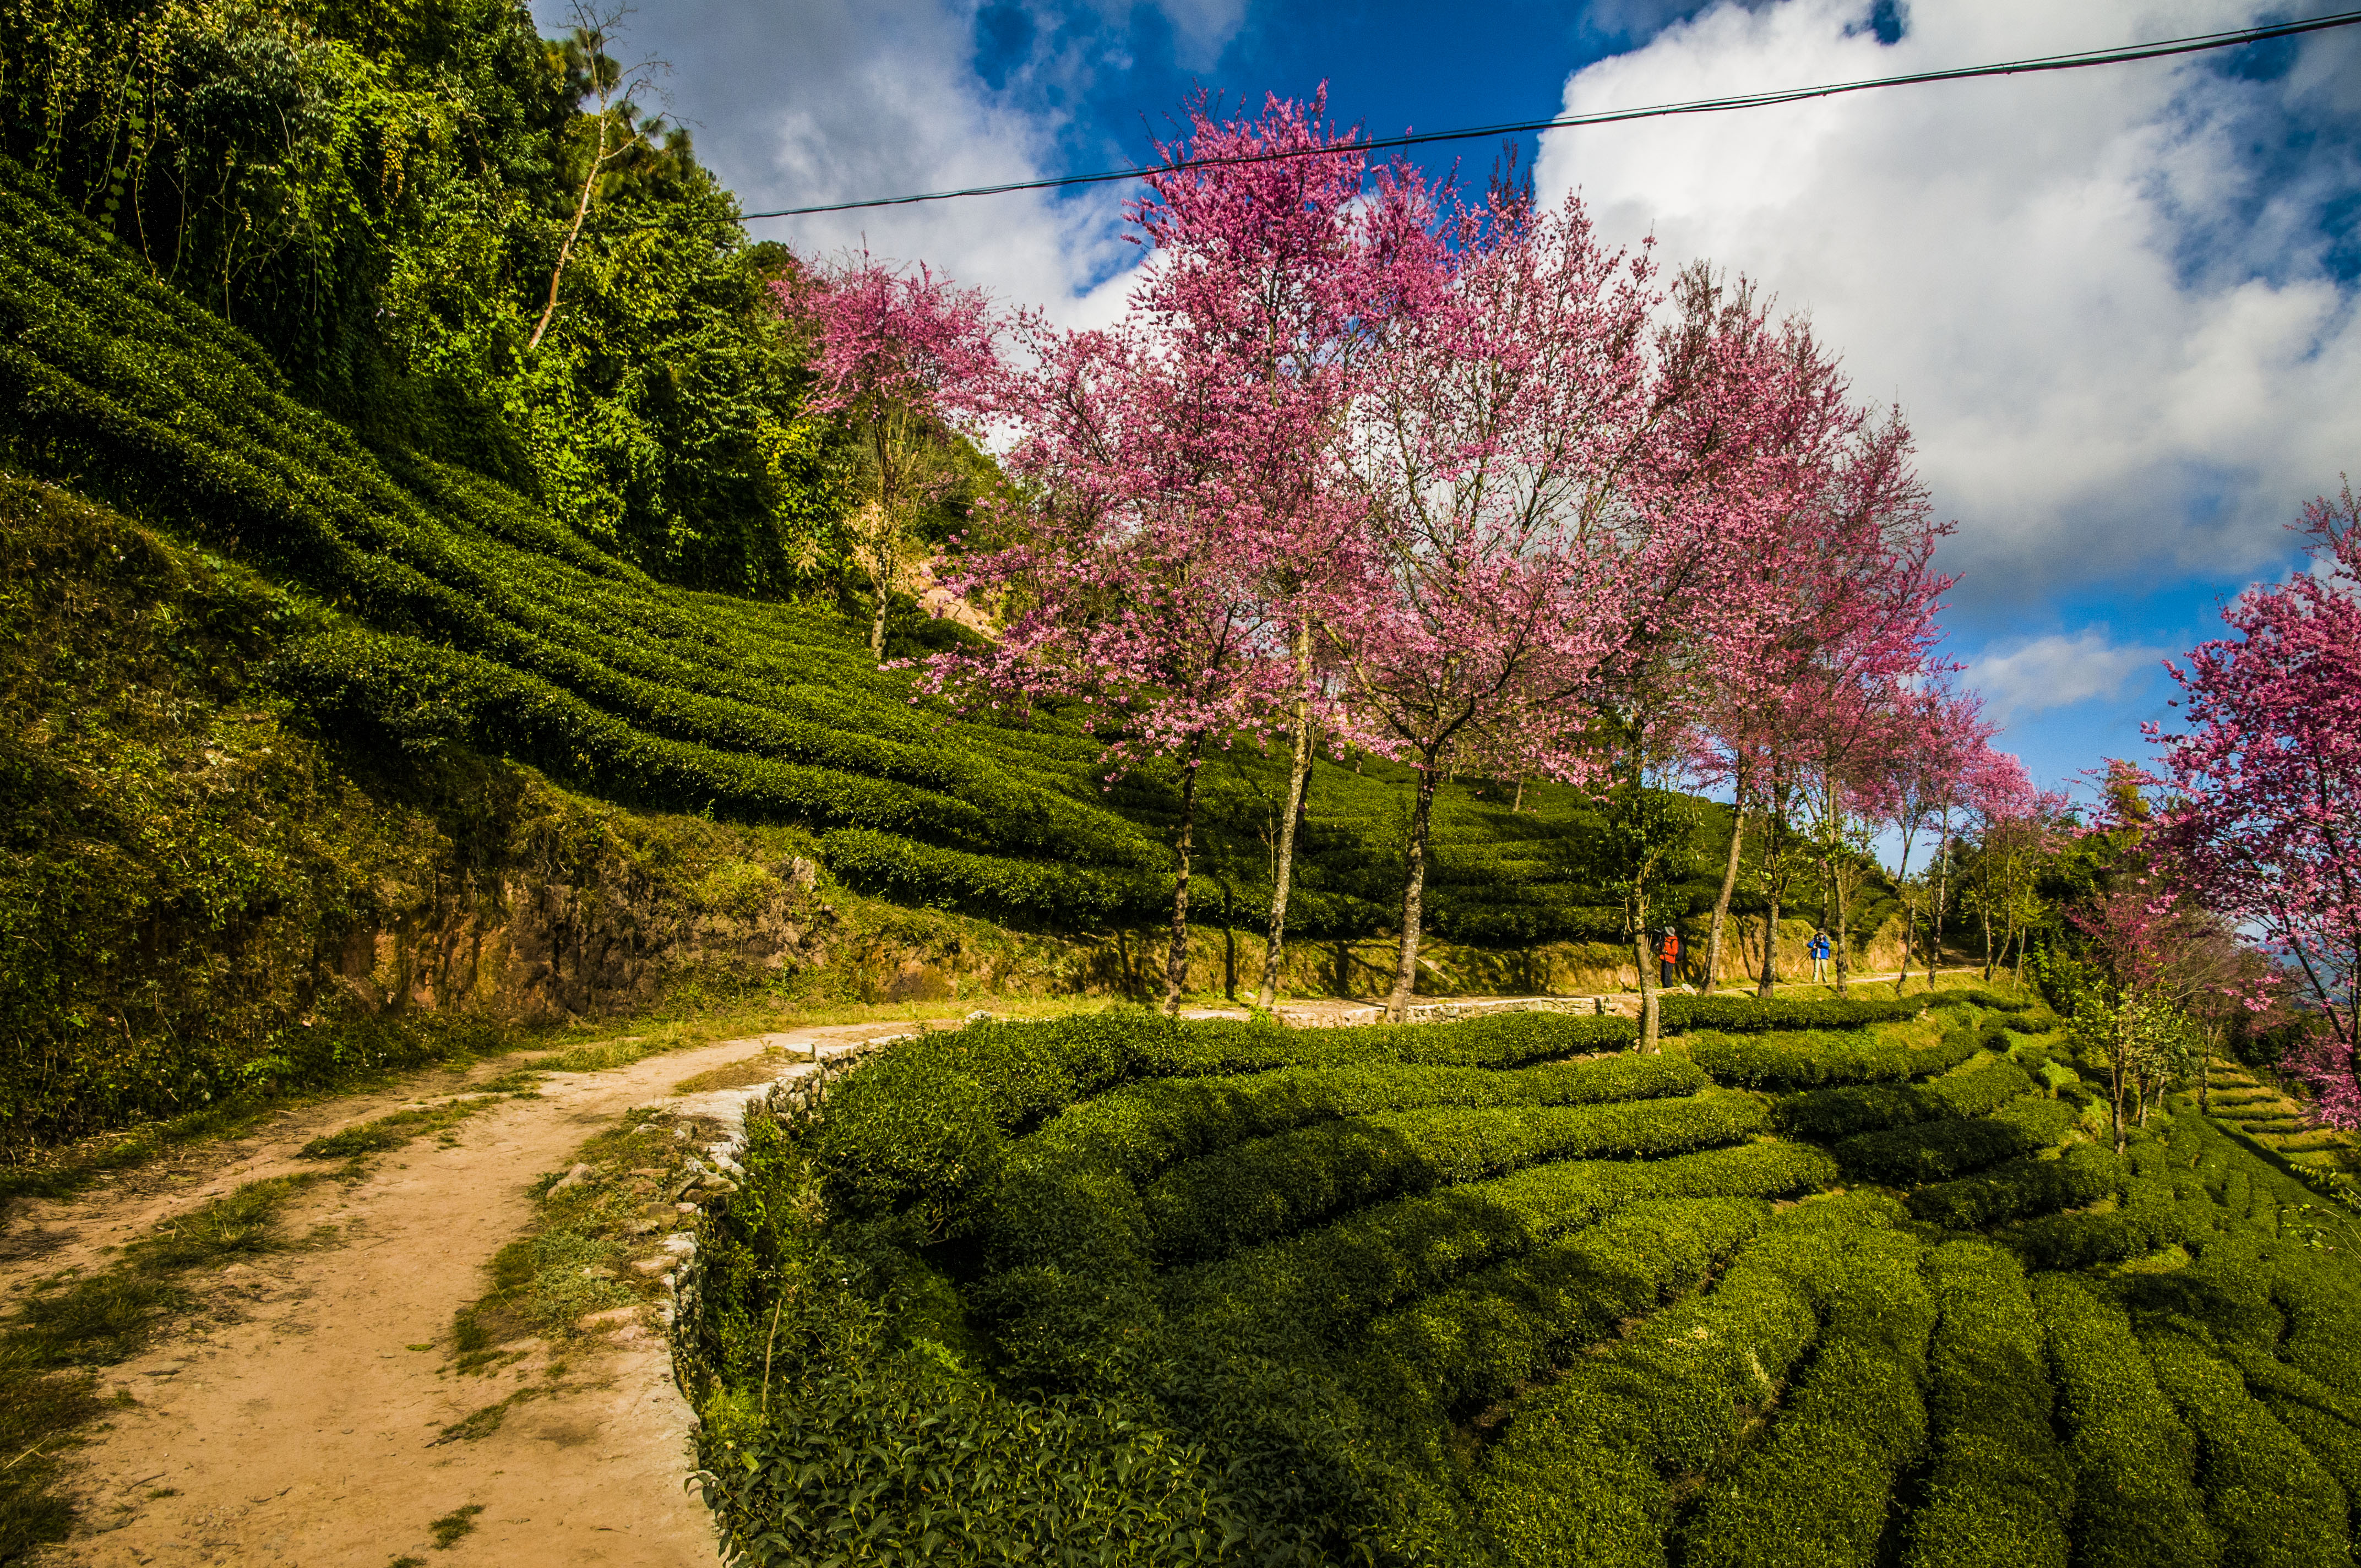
{"x": 523, "y": 948}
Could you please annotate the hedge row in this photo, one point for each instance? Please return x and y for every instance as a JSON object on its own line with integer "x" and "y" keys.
{"x": 1144, "y": 1127}
{"x": 122, "y": 387}
{"x": 920, "y": 1465}
{"x": 2021, "y": 1189}
{"x": 422, "y": 695}
{"x": 2136, "y": 1500}
{"x": 2001, "y": 1492}
{"x": 1464, "y": 1347}
{"x": 2327, "y": 1424}
{"x": 1263, "y": 1189}
{"x": 1828, "y": 1114}
{"x": 1811, "y": 1063}
{"x": 1971, "y": 996}
{"x": 927, "y": 1122}
{"x": 1316, "y": 1290}
{"x": 1939, "y": 1151}
{"x": 1815, "y": 1494}
{"x": 1092, "y": 1314}
{"x": 907, "y": 873}
{"x": 2269, "y": 1501}
{"x": 2323, "y": 1321}
{"x": 1749, "y": 1015}
{"x": 2150, "y": 1218}
{"x": 1580, "y": 1473}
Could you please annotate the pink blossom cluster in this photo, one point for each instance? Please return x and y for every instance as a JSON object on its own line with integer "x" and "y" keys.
{"x": 2261, "y": 821}
{"x": 1446, "y": 479}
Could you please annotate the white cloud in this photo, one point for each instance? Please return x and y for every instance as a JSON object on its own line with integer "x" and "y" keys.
{"x": 2054, "y": 672}
{"x": 2110, "y": 329}
{"x": 818, "y": 101}
{"x": 1201, "y": 29}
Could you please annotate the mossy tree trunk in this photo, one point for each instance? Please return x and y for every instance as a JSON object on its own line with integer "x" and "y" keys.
{"x": 1176, "y": 960}
{"x": 1414, "y": 891}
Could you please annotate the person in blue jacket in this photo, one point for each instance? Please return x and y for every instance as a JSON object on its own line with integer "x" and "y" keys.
{"x": 1820, "y": 950}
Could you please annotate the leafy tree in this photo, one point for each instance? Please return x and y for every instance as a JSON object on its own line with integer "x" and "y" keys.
{"x": 406, "y": 204}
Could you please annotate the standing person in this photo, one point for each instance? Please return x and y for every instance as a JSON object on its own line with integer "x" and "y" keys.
{"x": 1821, "y": 948}
{"x": 1669, "y": 953}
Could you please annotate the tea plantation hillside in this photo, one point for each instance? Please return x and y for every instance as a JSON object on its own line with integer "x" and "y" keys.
{"x": 1825, "y": 1284}
{"x": 452, "y": 611}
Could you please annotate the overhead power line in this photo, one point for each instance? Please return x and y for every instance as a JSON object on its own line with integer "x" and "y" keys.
{"x": 2194, "y": 45}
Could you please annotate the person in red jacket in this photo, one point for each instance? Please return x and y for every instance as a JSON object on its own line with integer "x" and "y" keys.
{"x": 1669, "y": 954}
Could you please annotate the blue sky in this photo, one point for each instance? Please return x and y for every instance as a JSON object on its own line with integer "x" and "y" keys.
{"x": 2118, "y": 306}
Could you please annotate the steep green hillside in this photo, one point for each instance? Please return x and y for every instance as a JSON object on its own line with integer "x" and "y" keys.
{"x": 1462, "y": 1295}
{"x": 453, "y": 611}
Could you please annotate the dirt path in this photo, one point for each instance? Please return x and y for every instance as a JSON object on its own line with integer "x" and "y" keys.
{"x": 291, "y": 1417}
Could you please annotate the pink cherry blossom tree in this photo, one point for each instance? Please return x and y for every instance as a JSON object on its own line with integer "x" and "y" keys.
{"x": 1121, "y": 592}
{"x": 1277, "y": 270}
{"x": 2262, "y": 813}
{"x": 1185, "y": 537}
{"x": 1501, "y": 451}
{"x": 1941, "y": 734}
{"x": 1809, "y": 708}
{"x": 902, "y": 356}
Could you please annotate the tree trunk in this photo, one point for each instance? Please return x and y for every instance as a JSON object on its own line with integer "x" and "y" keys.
{"x": 573, "y": 232}
{"x": 2022, "y": 932}
{"x": 1987, "y": 913}
{"x": 877, "y": 625}
{"x": 2205, "y": 1077}
{"x": 1729, "y": 885}
{"x": 1651, "y": 998}
{"x": 1519, "y": 804}
{"x": 1413, "y": 896}
{"x": 1176, "y": 962}
{"x": 1771, "y": 915}
{"x": 1942, "y": 893}
{"x": 1842, "y": 934}
{"x": 2115, "y": 1075}
{"x": 1299, "y": 774}
{"x": 1909, "y": 920}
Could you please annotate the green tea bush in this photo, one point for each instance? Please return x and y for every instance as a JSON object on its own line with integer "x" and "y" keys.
{"x": 2136, "y": 1500}
{"x": 1579, "y": 1472}
{"x": 1970, "y": 996}
{"x": 2021, "y": 1189}
{"x": 1812, "y": 1062}
{"x": 1747, "y": 1015}
{"x": 1258, "y": 1191}
{"x": 1828, "y": 1114}
{"x": 921, "y": 1466}
{"x": 911, "y": 872}
{"x": 2327, "y": 1424}
{"x": 925, "y": 1122}
{"x": 2267, "y": 1497}
{"x": 1144, "y": 1127}
{"x": 1317, "y": 1289}
{"x": 1670, "y": 1368}
{"x": 1939, "y": 1151}
{"x": 2323, "y": 1318}
{"x": 1815, "y": 1492}
{"x": 1471, "y": 1344}
{"x": 2150, "y": 1218}
{"x": 2001, "y": 1492}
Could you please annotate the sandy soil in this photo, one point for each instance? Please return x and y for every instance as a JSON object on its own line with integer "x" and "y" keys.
{"x": 288, "y": 1421}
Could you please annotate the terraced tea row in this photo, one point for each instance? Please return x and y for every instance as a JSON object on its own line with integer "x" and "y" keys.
{"x": 1491, "y": 1306}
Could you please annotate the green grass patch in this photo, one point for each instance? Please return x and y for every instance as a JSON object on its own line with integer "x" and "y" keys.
{"x": 441, "y": 1120}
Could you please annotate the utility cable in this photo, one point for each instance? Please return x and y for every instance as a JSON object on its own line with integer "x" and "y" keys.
{"x": 2197, "y": 44}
